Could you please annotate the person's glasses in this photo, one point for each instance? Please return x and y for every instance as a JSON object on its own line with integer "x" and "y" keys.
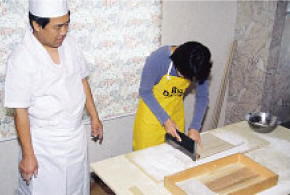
{"x": 59, "y": 27}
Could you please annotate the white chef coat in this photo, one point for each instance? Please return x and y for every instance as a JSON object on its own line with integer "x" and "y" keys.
{"x": 55, "y": 98}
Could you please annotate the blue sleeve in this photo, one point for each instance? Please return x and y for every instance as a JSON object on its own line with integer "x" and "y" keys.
{"x": 201, "y": 103}
{"x": 153, "y": 71}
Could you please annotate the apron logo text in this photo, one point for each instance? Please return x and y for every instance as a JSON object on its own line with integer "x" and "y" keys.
{"x": 174, "y": 92}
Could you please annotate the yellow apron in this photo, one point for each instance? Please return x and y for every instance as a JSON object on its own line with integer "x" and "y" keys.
{"x": 169, "y": 93}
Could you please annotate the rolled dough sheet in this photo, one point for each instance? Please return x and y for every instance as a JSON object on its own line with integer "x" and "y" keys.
{"x": 162, "y": 160}
{"x": 212, "y": 145}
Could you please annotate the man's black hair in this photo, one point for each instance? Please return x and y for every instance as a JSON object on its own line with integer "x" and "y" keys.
{"x": 192, "y": 59}
{"x": 39, "y": 20}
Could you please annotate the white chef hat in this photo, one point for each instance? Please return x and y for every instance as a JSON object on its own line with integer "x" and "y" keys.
{"x": 48, "y": 8}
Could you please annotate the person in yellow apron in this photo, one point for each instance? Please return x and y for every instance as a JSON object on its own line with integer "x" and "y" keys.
{"x": 167, "y": 73}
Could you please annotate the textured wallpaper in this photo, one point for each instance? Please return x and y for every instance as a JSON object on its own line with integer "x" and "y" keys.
{"x": 115, "y": 38}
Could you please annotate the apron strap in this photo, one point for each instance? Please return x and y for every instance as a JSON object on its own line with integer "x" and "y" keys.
{"x": 169, "y": 70}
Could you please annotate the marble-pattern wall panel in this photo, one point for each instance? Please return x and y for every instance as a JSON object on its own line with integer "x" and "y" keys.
{"x": 280, "y": 105}
{"x": 250, "y": 65}
{"x": 273, "y": 59}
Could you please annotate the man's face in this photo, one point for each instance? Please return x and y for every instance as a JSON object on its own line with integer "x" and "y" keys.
{"x": 53, "y": 34}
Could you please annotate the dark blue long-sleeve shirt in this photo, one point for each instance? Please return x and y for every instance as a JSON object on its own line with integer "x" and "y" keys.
{"x": 155, "y": 68}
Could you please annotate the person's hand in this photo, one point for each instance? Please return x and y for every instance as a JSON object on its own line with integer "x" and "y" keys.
{"x": 194, "y": 134}
{"x": 97, "y": 128}
{"x": 170, "y": 127}
{"x": 28, "y": 167}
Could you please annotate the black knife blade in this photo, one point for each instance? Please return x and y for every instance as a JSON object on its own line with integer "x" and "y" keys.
{"x": 186, "y": 142}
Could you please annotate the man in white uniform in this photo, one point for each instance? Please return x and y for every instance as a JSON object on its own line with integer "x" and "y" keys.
{"x": 47, "y": 87}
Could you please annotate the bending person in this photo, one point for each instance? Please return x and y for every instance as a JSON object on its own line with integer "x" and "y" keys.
{"x": 167, "y": 73}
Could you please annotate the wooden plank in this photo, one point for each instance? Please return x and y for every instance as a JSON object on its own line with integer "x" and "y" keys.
{"x": 124, "y": 175}
{"x": 222, "y": 89}
{"x": 172, "y": 187}
{"x": 231, "y": 179}
{"x": 235, "y": 174}
{"x": 263, "y": 171}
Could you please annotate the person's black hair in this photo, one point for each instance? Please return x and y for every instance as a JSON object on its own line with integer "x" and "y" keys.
{"x": 39, "y": 20}
{"x": 192, "y": 59}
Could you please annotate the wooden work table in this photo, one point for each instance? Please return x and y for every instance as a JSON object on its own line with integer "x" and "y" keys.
{"x": 142, "y": 172}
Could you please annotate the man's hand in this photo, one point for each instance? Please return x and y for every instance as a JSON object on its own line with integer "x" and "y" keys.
{"x": 28, "y": 167}
{"x": 96, "y": 124}
{"x": 170, "y": 127}
{"x": 97, "y": 128}
{"x": 194, "y": 134}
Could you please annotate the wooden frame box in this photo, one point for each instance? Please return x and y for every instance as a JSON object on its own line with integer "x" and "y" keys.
{"x": 235, "y": 174}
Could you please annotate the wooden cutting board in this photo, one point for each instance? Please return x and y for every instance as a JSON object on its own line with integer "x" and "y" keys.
{"x": 235, "y": 174}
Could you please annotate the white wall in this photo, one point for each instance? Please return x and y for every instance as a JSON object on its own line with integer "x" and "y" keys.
{"x": 8, "y": 167}
{"x": 117, "y": 139}
{"x": 209, "y": 22}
